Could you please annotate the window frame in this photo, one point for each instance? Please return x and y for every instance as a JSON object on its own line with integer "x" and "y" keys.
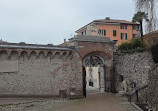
{"x": 114, "y": 33}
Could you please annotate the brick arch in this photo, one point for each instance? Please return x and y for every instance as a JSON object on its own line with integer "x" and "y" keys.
{"x": 3, "y": 51}
{"x": 23, "y": 53}
{"x": 101, "y": 54}
{"x": 84, "y": 52}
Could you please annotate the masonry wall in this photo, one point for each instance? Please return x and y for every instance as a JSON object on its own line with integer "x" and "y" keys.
{"x": 41, "y": 75}
{"x": 153, "y": 83}
{"x": 134, "y": 67}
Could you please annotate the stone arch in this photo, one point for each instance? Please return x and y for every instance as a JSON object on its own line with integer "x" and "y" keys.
{"x": 64, "y": 54}
{"x": 57, "y": 53}
{"x": 3, "y": 55}
{"x": 24, "y": 54}
{"x": 104, "y": 56}
{"x": 33, "y": 54}
{"x": 41, "y": 54}
{"x": 104, "y": 71}
{"x": 49, "y": 53}
{"x": 69, "y": 54}
{"x": 14, "y": 55}
{"x": 3, "y": 51}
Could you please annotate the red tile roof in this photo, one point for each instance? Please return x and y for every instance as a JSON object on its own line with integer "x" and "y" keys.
{"x": 112, "y": 21}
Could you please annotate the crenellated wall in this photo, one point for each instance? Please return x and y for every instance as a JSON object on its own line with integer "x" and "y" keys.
{"x": 38, "y": 71}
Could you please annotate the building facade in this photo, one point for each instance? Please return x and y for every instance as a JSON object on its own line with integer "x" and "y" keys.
{"x": 118, "y": 30}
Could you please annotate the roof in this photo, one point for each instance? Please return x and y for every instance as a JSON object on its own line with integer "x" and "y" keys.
{"x": 109, "y": 21}
{"x": 114, "y": 21}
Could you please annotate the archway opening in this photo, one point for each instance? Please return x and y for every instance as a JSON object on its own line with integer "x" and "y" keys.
{"x": 94, "y": 74}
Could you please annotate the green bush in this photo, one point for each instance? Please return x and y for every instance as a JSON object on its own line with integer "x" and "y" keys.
{"x": 154, "y": 51}
{"x": 134, "y": 44}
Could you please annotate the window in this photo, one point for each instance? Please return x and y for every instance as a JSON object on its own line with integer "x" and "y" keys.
{"x": 83, "y": 33}
{"x": 134, "y": 35}
{"x": 99, "y": 32}
{"x": 102, "y": 32}
{"x": 126, "y": 36}
{"x": 135, "y": 27}
{"x": 123, "y": 36}
{"x": 114, "y": 32}
{"x": 123, "y": 26}
{"x": 115, "y": 41}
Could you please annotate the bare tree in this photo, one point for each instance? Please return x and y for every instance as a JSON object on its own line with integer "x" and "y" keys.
{"x": 149, "y": 7}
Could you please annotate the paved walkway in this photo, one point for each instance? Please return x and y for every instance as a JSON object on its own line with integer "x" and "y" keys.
{"x": 97, "y": 102}
{"x": 93, "y": 102}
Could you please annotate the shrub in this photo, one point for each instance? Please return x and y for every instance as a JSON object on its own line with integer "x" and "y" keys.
{"x": 134, "y": 44}
{"x": 154, "y": 51}
{"x": 124, "y": 46}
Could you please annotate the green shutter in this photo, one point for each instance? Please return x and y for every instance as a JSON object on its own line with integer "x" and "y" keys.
{"x": 114, "y": 32}
{"x": 126, "y": 36}
{"x": 121, "y": 36}
{"x": 104, "y": 32}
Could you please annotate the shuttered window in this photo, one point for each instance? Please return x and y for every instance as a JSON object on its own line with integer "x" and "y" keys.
{"x": 126, "y": 36}
{"x": 114, "y": 32}
{"x": 121, "y": 36}
{"x": 104, "y": 32}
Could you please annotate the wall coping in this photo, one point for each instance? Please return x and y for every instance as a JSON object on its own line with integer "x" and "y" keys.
{"x": 35, "y": 46}
{"x": 89, "y": 38}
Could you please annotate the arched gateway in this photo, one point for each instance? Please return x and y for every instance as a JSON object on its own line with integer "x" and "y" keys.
{"x": 97, "y": 59}
{"x": 57, "y": 71}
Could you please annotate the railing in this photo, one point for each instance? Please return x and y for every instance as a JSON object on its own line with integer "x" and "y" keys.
{"x": 136, "y": 92}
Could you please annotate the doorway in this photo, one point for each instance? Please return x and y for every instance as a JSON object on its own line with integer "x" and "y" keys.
{"x": 93, "y": 78}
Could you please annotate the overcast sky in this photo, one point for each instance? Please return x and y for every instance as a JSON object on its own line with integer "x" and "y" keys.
{"x": 50, "y": 21}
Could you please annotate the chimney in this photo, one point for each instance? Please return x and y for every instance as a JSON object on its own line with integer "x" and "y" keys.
{"x": 107, "y": 18}
{"x": 64, "y": 40}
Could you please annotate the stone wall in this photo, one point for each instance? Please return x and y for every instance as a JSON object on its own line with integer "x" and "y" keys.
{"x": 153, "y": 86}
{"x": 40, "y": 74}
{"x": 134, "y": 67}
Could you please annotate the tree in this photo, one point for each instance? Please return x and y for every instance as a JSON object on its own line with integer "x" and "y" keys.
{"x": 148, "y": 6}
{"x": 138, "y": 17}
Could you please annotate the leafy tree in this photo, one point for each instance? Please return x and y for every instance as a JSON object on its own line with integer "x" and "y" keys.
{"x": 138, "y": 17}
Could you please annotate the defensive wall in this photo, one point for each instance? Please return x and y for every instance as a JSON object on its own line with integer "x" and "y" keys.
{"x": 30, "y": 70}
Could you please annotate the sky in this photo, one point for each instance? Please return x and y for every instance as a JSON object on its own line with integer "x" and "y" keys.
{"x": 52, "y": 21}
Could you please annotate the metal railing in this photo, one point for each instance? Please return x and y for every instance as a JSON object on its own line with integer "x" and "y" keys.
{"x": 136, "y": 91}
